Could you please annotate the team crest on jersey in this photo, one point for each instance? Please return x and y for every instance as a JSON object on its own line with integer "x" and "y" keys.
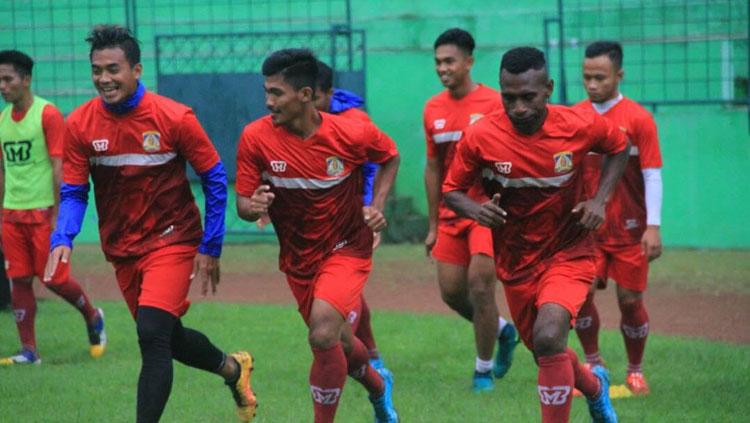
{"x": 563, "y": 161}
{"x": 474, "y": 117}
{"x": 334, "y": 166}
{"x": 151, "y": 141}
{"x": 278, "y": 166}
{"x": 503, "y": 167}
{"x": 439, "y": 123}
{"x": 100, "y": 145}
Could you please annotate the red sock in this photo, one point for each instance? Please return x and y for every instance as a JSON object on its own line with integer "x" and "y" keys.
{"x": 555, "y": 386}
{"x": 364, "y": 331}
{"x": 634, "y": 327}
{"x": 24, "y": 307}
{"x": 585, "y": 381}
{"x": 327, "y": 378}
{"x": 72, "y": 292}
{"x": 587, "y": 328}
{"x": 360, "y": 369}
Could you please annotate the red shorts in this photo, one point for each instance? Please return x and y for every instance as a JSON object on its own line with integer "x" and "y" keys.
{"x": 457, "y": 243}
{"x": 26, "y": 249}
{"x": 625, "y": 264}
{"x": 160, "y": 279}
{"x": 565, "y": 283}
{"x": 339, "y": 282}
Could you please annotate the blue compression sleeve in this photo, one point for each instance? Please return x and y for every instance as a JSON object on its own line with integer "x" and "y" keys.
{"x": 73, "y": 202}
{"x": 369, "y": 170}
{"x": 214, "y": 182}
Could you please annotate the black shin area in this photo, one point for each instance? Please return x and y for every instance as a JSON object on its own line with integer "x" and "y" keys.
{"x": 193, "y": 349}
{"x": 155, "y": 328}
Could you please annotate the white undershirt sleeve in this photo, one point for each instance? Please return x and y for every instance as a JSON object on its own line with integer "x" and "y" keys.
{"x": 653, "y": 187}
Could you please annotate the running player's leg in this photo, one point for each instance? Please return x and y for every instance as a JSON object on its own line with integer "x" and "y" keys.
{"x": 364, "y": 333}
{"x": 452, "y": 255}
{"x": 329, "y": 367}
{"x": 630, "y": 272}
{"x": 587, "y": 323}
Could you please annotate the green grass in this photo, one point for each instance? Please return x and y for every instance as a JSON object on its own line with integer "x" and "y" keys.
{"x": 431, "y": 357}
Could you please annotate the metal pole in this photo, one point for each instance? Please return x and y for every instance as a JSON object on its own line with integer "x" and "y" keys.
{"x": 350, "y": 50}
{"x": 747, "y": 81}
{"x": 561, "y": 42}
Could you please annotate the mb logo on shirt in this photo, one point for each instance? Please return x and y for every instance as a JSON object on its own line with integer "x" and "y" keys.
{"x": 17, "y": 151}
{"x": 278, "y": 166}
{"x": 100, "y": 145}
{"x": 503, "y": 167}
{"x": 563, "y": 161}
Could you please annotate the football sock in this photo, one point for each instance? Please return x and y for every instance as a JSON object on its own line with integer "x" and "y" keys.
{"x": 72, "y": 292}
{"x": 585, "y": 380}
{"x": 194, "y": 349}
{"x": 364, "y": 331}
{"x": 500, "y": 325}
{"x": 24, "y": 307}
{"x": 587, "y": 328}
{"x": 155, "y": 382}
{"x": 327, "y": 378}
{"x": 555, "y": 387}
{"x": 634, "y": 327}
{"x": 483, "y": 366}
{"x": 360, "y": 369}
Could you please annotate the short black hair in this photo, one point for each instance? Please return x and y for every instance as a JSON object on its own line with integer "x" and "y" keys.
{"x": 458, "y": 37}
{"x": 112, "y": 36}
{"x": 21, "y": 62}
{"x": 522, "y": 59}
{"x": 612, "y": 49}
{"x": 298, "y": 67}
{"x": 325, "y": 76}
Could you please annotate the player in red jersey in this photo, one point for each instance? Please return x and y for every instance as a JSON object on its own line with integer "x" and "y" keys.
{"x": 346, "y": 103}
{"x": 462, "y": 247}
{"x": 301, "y": 166}
{"x": 134, "y": 145}
{"x": 630, "y": 236}
{"x": 529, "y": 160}
{"x": 32, "y": 131}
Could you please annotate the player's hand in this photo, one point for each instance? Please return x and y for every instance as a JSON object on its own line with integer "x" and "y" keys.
{"x": 376, "y": 237}
{"x": 205, "y": 269}
{"x": 591, "y": 213}
{"x": 491, "y": 214}
{"x": 651, "y": 242}
{"x": 261, "y": 200}
{"x": 429, "y": 241}
{"x": 263, "y": 221}
{"x": 59, "y": 254}
{"x": 374, "y": 218}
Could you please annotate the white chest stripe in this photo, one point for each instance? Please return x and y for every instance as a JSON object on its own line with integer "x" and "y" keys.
{"x": 304, "y": 183}
{"x": 132, "y": 160}
{"x": 553, "y": 181}
{"x": 442, "y": 137}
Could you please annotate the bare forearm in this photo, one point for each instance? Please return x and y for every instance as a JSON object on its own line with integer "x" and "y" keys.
{"x": 384, "y": 182}
{"x": 612, "y": 168}
{"x": 460, "y": 203}
{"x": 432, "y": 188}
{"x": 243, "y": 210}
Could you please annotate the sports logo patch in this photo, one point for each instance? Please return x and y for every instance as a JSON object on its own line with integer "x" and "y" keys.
{"x": 20, "y": 314}
{"x": 325, "y": 396}
{"x": 334, "y": 166}
{"x": 439, "y": 123}
{"x": 100, "y": 145}
{"x": 351, "y": 317}
{"x": 563, "y": 161}
{"x": 278, "y": 166}
{"x": 631, "y": 224}
{"x": 474, "y": 117}
{"x": 635, "y": 332}
{"x": 151, "y": 141}
{"x": 553, "y": 395}
{"x": 503, "y": 167}
{"x": 584, "y": 322}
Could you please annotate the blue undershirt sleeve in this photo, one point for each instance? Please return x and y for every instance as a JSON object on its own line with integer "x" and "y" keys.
{"x": 214, "y": 183}
{"x": 369, "y": 170}
{"x": 73, "y": 202}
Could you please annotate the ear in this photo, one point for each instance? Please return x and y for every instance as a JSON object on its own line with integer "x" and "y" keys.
{"x": 550, "y": 88}
{"x": 620, "y": 74}
{"x": 306, "y": 94}
{"x": 470, "y": 60}
{"x": 138, "y": 70}
{"x": 26, "y": 81}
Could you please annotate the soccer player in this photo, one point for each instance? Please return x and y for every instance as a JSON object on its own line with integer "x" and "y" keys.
{"x": 461, "y": 247}
{"x": 345, "y": 103}
{"x": 32, "y": 131}
{"x": 301, "y": 166}
{"x": 630, "y": 236}
{"x": 134, "y": 145}
{"x": 529, "y": 160}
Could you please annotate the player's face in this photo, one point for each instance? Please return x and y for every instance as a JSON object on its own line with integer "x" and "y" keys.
{"x": 452, "y": 65}
{"x": 601, "y": 78}
{"x": 114, "y": 77}
{"x": 525, "y": 98}
{"x": 323, "y": 99}
{"x": 13, "y": 86}
{"x": 283, "y": 101}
